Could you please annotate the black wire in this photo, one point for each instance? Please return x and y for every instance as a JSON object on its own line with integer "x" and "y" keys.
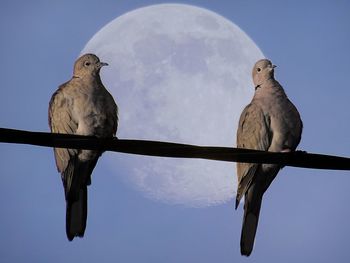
{"x": 175, "y": 150}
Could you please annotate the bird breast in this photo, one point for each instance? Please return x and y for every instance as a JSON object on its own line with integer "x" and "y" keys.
{"x": 282, "y": 116}
{"x": 93, "y": 114}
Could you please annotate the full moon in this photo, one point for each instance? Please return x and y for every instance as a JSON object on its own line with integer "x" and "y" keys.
{"x": 178, "y": 73}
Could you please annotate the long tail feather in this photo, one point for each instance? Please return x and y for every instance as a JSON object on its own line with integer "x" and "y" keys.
{"x": 250, "y": 221}
{"x": 76, "y": 215}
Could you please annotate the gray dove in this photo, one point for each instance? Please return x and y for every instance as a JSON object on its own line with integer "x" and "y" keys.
{"x": 270, "y": 123}
{"x": 81, "y": 106}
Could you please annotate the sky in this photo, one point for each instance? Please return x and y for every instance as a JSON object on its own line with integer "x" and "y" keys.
{"x": 305, "y": 213}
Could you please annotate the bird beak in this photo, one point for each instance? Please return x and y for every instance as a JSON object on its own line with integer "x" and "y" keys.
{"x": 101, "y": 64}
{"x": 272, "y": 68}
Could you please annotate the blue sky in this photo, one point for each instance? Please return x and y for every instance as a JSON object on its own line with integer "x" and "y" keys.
{"x": 305, "y": 213}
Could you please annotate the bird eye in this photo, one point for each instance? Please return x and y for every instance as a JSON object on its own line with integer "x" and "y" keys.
{"x": 87, "y": 63}
{"x": 258, "y": 69}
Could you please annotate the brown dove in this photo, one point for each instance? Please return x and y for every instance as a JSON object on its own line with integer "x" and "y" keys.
{"x": 81, "y": 106}
{"x": 269, "y": 123}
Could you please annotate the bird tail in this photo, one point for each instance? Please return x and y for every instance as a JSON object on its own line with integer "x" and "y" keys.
{"x": 76, "y": 214}
{"x": 76, "y": 197}
{"x": 250, "y": 221}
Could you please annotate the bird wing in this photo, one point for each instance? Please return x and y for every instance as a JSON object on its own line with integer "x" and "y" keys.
{"x": 253, "y": 133}
{"x": 114, "y": 112}
{"x": 61, "y": 121}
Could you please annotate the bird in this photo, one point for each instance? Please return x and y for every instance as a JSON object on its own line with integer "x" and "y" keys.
{"x": 81, "y": 106}
{"x": 270, "y": 122}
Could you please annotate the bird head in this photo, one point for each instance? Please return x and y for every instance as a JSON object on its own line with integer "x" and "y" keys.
{"x": 262, "y": 71}
{"x": 88, "y": 65}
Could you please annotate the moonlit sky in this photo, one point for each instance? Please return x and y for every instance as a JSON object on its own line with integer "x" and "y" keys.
{"x": 178, "y": 73}
{"x": 305, "y": 213}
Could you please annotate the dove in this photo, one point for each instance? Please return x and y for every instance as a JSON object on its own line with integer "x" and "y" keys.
{"x": 269, "y": 123}
{"x": 81, "y": 106}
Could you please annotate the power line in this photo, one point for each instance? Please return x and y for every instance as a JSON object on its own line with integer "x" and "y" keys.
{"x": 175, "y": 150}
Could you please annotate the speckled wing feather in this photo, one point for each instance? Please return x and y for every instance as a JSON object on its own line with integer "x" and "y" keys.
{"x": 253, "y": 133}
